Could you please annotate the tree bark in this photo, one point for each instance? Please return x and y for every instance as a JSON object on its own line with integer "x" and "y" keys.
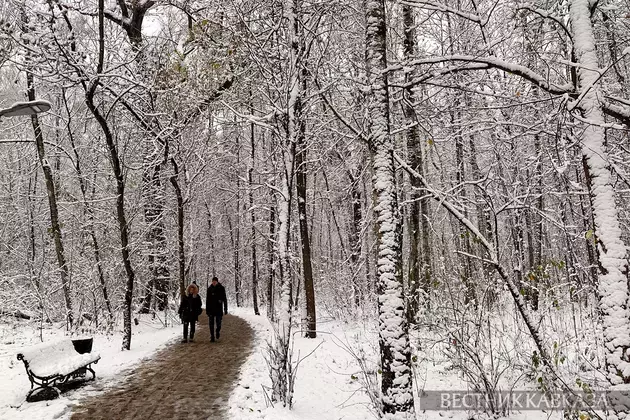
{"x": 463, "y": 237}
{"x": 55, "y": 229}
{"x": 236, "y": 242}
{"x": 355, "y": 239}
{"x": 250, "y": 178}
{"x": 281, "y": 366}
{"x": 535, "y": 231}
{"x": 181, "y": 257}
{"x": 90, "y": 214}
{"x": 123, "y": 227}
{"x": 298, "y": 90}
{"x": 32, "y": 190}
{"x": 415, "y": 160}
{"x": 395, "y": 351}
{"x": 484, "y": 224}
{"x": 309, "y": 290}
{"x": 131, "y": 19}
{"x": 612, "y": 251}
{"x": 213, "y": 254}
{"x": 281, "y": 371}
{"x": 271, "y": 264}
{"x": 156, "y": 233}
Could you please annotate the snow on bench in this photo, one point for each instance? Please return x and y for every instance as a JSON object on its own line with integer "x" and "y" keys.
{"x": 51, "y": 364}
{"x": 59, "y": 358}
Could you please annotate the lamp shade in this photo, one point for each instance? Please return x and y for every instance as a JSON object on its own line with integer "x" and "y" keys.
{"x": 25, "y": 108}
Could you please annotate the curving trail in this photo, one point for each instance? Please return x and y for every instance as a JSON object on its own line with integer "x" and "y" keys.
{"x": 183, "y": 381}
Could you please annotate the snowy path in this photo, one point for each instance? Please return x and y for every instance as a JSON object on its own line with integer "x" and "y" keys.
{"x": 183, "y": 381}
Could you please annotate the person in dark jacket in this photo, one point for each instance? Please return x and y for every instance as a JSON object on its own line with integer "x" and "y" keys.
{"x": 216, "y": 306}
{"x": 189, "y": 311}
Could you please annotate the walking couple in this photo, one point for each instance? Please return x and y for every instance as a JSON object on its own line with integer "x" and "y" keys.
{"x": 216, "y": 307}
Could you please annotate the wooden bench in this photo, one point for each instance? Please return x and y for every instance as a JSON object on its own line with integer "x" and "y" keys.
{"x": 52, "y": 365}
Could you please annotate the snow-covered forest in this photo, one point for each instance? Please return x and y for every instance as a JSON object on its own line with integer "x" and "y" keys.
{"x": 451, "y": 175}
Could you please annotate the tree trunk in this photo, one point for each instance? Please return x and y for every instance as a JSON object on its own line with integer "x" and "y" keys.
{"x": 588, "y": 225}
{"x": 280, "y": 369}
{"x": 297, "y": 108}
{"x": 238, "y": 287}
{"x": 133, "y": 14}
{"x": 250, "y": 177}
{"x": 395, "y": 351}
{"x": 181, "y": 258}
{"x": 90, "y": 214}
{"x": 516, "y": 232}
{"x": 484, "y": 224}
{"x": 213, "y": 256}
{"x": 32, "y": 191}
{"x": 271, "y": 264}
{"x": 55, "y": 230}
{"x": 535, "y": 232}
{"x": 355, "y": 236}
{"x": 463, "y": 237}
{"x": 123, "y": 227}
{"x": 613, "y": 253}
{"x": 417, "y": 232}
{"x": 309, "y": 290}
{"x": 156, "y": 231}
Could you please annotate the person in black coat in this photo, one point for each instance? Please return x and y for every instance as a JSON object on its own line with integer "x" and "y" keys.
{"x": 216, "y": 306}
{"x": 189, "y": 311}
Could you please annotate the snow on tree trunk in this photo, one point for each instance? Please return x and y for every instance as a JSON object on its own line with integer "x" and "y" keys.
{"x": 281, "y": 368}
{"x": 279, "y": 352}
{"x": 613, "y": 256}
{"x": 395, "y": 352}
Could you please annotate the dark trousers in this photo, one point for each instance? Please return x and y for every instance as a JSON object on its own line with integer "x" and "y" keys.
{"x": 192, "y": 329}
{"x": 212, "y": 319}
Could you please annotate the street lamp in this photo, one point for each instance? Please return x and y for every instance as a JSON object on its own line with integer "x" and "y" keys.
{"x": 25, "y": 108}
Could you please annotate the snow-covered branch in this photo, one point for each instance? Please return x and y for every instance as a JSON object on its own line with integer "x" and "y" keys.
{"x": 495, "y": 62}
{"x": 441, "y": 7}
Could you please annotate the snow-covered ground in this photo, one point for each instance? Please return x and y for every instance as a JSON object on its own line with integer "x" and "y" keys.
{"x": 330, "y": 384}
{"x": 330, "y": 381}
{"x": 148, "y": 337}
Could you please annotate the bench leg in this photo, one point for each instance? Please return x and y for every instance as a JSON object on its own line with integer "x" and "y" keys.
{"x": 89, "y": 367}
{"x": 49, "y": 388}
{"x": 42, "y": 393}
